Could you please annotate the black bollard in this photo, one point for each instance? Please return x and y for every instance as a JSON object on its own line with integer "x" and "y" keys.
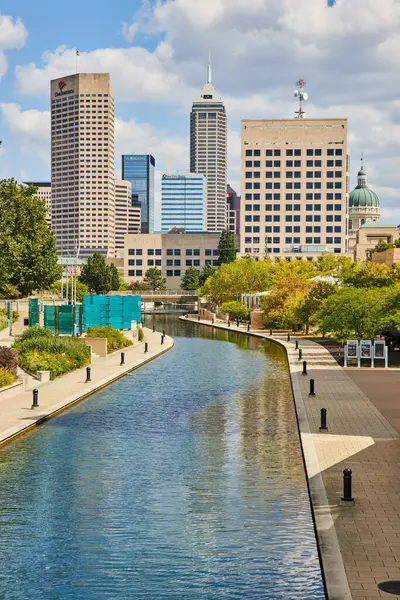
{"x": 154, "y": 327}
{"x": 312, "y": 387}
{"x": 347, "y": 492}
{"x": 162, "y": 339}
{"x": 187, "y": 316}
{"x": 304, "y": 367}
{"x": 270, "y": 332}
{"x": 229, "y": 323}
{"x": 122, "y": 358}
{"x": 212, "y": 320}
{"x": 300, "y": 353}
{"x": 163, "y": 332}
{"x": 146, "y": 347}
{"x": 198, "y": 318}
{"x": 237, "y": 322}
{"x": 35, "y": 396}
{"x": 248, "y": 327}
{"x": 297, "y": 344}
{"x": 288, "y": 337}
{"x": 323, "y": 420}
{"x": 88, "y": 374}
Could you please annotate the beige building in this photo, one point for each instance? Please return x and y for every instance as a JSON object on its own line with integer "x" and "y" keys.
{"x": 208, "y": 151}
{"x": 171, "y": 253}
{"x": 389, "y": 257}
{"x": 370, "y": 234}
{"x": 82, "y": 164}
{"x": 363, "y": 208}
{"x": 127, "y": 217}
{"x": 44, "y": 193}
{"x": 294, "y": 187}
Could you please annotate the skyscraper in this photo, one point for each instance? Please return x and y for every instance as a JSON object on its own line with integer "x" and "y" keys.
{"x": 294, "y": 187}
{"x": 82, "y": 164}
{"x": 208, "y": 150}
{"x": 44, "y": 193}
{"x": 183, "y": 202}
{"x": 139, "y": 169}
{"x": 127, "y": 217}
{"x": 233, "y": 208}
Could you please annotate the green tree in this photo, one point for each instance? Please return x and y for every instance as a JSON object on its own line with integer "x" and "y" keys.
{"x": 206, "y": 272}
{"x": 81, "y": 290}
{"x": 366, "y": 274}
{"x": 190, "y": 280}
{"x": 312, "y": 302}
{"x": 115, "y": 279}
{"x": 226, "y": 247}
{"x": 281, "y": 305}
{"x": 28, "y": 256}
{"x": 235, "y": 310}
{"x": 96, "y": 274}
{"x": 154, "y": 280}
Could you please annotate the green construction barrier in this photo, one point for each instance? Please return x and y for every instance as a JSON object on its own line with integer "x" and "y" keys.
{"x": 33, "y": 312}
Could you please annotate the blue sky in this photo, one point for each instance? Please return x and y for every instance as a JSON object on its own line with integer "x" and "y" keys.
{"x": 156, "y": 53}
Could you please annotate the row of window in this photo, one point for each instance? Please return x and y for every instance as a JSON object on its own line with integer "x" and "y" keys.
{"x": 293, "y": 163}
{"x": 296, "y": 240}
{"x": 296, "y": 229}
{"x": 295, "y": 196}
{"x": 173, "y": 252}
{"x": 297, "y": 152}
{"x": 293, "y": 174}
{"x": 295, "y": 207}
{"x": 277, "y": 250}
{"x": 310, "y": 185}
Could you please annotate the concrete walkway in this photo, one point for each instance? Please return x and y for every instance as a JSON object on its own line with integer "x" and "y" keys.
{"x": 360, "y": 543}
{"x": 17, "y": 416}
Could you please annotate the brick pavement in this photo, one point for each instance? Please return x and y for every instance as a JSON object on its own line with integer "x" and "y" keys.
{"x": 359, "y": 544}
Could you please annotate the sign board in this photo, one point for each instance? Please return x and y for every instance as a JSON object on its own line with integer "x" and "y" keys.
{"x": 366, "y": 349}
{"x": 352, "y": 349}
{"x": 379, "y": 349}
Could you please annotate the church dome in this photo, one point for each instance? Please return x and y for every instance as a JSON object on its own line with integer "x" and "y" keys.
{"x": 362, "y": 196}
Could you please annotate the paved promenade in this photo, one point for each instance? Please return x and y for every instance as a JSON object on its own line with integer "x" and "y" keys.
{"x": 17, "y": 415}
{"x": 359, "y": 544}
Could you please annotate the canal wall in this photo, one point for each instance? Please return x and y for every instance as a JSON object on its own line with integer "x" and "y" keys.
{"x": 18, "y": 416}
{"x": 354, "y": 426}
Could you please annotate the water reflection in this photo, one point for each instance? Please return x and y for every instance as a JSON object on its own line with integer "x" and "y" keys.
{"x": 184, "y": 480}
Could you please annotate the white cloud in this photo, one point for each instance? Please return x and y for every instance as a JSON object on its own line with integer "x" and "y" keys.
{"x": 13, "y": 35}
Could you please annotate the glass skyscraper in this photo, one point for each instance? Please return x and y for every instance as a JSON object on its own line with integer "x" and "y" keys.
{"x": 184, "y": 202}
{"x": 139, "y": 169}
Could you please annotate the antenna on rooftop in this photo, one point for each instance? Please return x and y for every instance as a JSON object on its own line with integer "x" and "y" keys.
{"x": 302, "y": 95}
{"x": 168, "y": 167}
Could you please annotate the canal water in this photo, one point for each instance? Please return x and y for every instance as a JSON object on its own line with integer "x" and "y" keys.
{"x": 184, "y": 480}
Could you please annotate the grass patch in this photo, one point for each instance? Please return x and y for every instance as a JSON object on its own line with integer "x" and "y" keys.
{"x": 115, "y": 338}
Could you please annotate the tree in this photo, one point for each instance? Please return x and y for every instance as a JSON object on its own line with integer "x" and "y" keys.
{"x": 366, "y": 274}
{"x": 206, "y": 272}
{"x": 28, "y": 256}
{"x": 154, "y": 279}
{"x": 96, "y": 274}
{"x": 306, "y": 310}
{"x": 281, "y": 306}
{"x": 190, "y": 280}
{"x": 138, "y": 286}
{"x": 226, "y": 247}
{"x": 235, "y": 310}
{"x": 81, "y": 290}
{"x": 115, "y": 279}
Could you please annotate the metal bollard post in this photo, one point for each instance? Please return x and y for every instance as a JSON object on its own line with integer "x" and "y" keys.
{"x": 288, "y": 337}
{"x": 270, "y": 332}
{"x": 248, "y": 327}
{"x": 88, "y": 374}
{"x": 35, "y": 402}
{"x": 323, "y": 420}
{"x": 146, "y": 347}
{"x": 187, "y": 316}
{"x": 347, "y": 481}
{"x": 163, "y": 332}
{"x": 198, "y": 318}
{"x": 162, "y": 339}
{"x": 122, "y": 358}
{"x": 229, "y": 323}
{"x": 237, "y": 322}
{"x": 312, "y": 387}
{"x": 212, "y": 320}
{"x": 154, "y": 327}
{"x": 304, "y": 367}
{"x": 300, "y": 353}
{"x": 297, "y": 344}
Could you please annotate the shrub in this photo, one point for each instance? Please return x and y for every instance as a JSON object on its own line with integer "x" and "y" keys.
{"x": 6, "y": 378}
{"x": 15, "y": 315}
{"x": 115, "y": 338}
{"x": 140, "y": 334}
{"x": 9, "y": 360}
{"x": 34, "y": 332}
{"x": 235, "y": 310}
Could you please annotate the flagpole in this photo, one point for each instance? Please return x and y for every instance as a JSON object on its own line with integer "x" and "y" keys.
{"x": 76, "y": 56}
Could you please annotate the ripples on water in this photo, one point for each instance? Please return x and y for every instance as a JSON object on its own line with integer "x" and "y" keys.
{"x": 182, "y": 480}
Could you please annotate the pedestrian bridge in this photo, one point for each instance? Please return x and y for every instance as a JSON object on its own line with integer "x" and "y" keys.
{"x": 173, "y": 296}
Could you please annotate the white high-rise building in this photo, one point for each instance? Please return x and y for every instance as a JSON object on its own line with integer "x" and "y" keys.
{"x": 208, "y": 151}
{"x": 82, "y": 164}
{"x": 183, "y": 202}
{"x": 44, "y": 193}
{"x": 127, "y": 215}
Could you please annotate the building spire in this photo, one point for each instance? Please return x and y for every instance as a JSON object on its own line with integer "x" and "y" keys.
{"x": 209, "y": 67}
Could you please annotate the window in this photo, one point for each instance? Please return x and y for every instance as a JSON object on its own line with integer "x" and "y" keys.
{"x": 170, "y": 273}
{"x": 288, "y": 229}
{"x": 215, "y": 252}
{"x": 170, "y": 252}
{"x": 277, "y": 207}
{"x": 296, "y": 229}
{"x": 139, "y": 273}
{"x": 249, "y": 163}
{"x": 189, "y": 252}
{"x": 249, "y": 175}
{"x": 288, "y": 240}
{"x": 150, "y": 252}
{"x": 338, "y": 152}
{"x": 196, "y": 252}
{"x": 289, "y": 163}
{"x": 268, "y": 153}
{"x": 249, "y": 152}
{"x": 297, "y": 152}
{"x": 289, "y": 185}
{"x": 330, "y": 152}
{"x": 277, "y": 152}
{"x": 257, "y": 153}
{"x": 257, "y": 163}
{"x": 131, "y": 252}
{"x": 289, "y": 152}
{"x": 318, "y": 152}
{"x": 309, "y": 174}
{"x": 150, "y": 263}
{"x": 177, "y": 263}
{"x": 288, "y": 207}
{"x": 139, "y": 252}
{"x": 158, "y": 263}
{"x": 338, "y": 207}
{"x": 296, "y": 207}
{"x": 208, "y": 252}
{"x": 310, "y": 152}
{"x": 131, "y": 273}
{"x": 139, "y": 262}
{"x": 170, "y": 262}
{"x": 268, "y": 164}
{"x": 177, "y": 273}
{"x": 196, "y": 262}
{"x": 131, "y": 263}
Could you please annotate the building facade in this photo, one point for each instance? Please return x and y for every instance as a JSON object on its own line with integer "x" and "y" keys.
{"x": 294, "y": 187}
{"x": 208, "y": 151}
{"x": 183, "y": 202}
{"x": 171, "y": 253}
{"x": 82, "y": 164}
{"x": 127, "y": 216}
{"x": 363, "y": 207}
{"x": 44, "y": 193}
{"x": 370, "y": 234}
{"x": 233, "y": 210}
{"x": 139, "y": 169}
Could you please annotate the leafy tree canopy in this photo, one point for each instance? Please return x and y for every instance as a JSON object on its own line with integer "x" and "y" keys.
{"x": 98, "y": 276}
{"x": 154, "y": 280}
{"x": 206, "y": 272}
{"x": 190, "y": 280}
{"x": 226, "y": 247}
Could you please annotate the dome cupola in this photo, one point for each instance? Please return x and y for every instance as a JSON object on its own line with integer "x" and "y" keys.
{"x": 362, "y": 196}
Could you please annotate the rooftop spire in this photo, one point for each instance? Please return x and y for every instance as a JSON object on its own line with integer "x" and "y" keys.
{"x": 209, "y": 67}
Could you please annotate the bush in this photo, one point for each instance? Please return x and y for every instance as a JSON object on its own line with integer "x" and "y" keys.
{"x": 115, "y": 338}
{"x": 140, "y": 334}
{"x": 3, "y": 314}
{"x": 6, "y": 378}
{"x": 235, "y": 310}
{"x": 9, "y": 360}
{"x": 41, "y": 350}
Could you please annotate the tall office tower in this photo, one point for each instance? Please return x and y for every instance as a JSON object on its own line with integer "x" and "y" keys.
{"x": 184, "y": 202}
{"x": 208, "y": 150}
{"x": 82, "y": 164}
{"x": 44, "y": 193}
{"x": 127, "y": 217}
{"x": 139, "y": 169}
{"x": 233, "y": 209}
{"x": 295, "y": 176}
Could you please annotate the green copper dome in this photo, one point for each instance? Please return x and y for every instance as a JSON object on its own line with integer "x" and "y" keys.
{"x": 362, "y": 196}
